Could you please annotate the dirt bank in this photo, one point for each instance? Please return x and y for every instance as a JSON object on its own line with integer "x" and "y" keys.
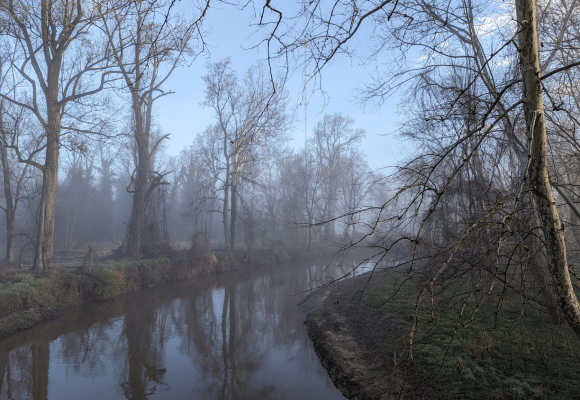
{"x": 356, "y": 342}
{"x": 27, "y": 299}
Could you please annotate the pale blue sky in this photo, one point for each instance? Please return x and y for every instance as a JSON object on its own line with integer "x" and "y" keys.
{"x": 181, "y": 115}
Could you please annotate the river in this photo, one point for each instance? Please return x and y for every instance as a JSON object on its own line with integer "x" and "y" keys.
{"x": 237, "y": 335}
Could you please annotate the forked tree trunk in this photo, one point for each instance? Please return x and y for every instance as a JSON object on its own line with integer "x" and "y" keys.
{"x": 142, "y": 120}
{"x": 538, "y": 170}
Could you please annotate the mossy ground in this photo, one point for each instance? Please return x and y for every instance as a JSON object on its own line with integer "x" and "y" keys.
{"x": 511, "y": 352}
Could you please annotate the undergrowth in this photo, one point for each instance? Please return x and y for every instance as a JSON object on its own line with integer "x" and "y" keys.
{"x": 508, "y": 352}
{"x": 22, "y": 285}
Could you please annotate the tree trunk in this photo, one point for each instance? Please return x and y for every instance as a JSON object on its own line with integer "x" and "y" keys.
{"x": 251, "y": 236}
{"x": 136, "y": 229}
{"x": 45, "y": 223}
{"x": 234, "y": 215}
{"x": 10, "y": 209}
{"x": 542, "y": 277}
{"x": 225, "y": 209}
{"x": 10, "y": 236}
{"x": 538, "y": 170}
{"x": 137, "y": 220}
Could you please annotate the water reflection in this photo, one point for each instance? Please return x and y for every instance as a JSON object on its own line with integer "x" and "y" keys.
{"x": 233, "y": 336}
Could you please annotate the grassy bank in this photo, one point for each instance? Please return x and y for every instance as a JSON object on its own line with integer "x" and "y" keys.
{"x": 507, "y": 353}
{"x": 28, "y": 298}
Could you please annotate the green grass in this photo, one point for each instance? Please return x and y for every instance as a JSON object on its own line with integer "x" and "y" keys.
{"x": 387, "y": 300}
{"x": 17, "y": 322}
{"x": 22, "y": 285}
{"x": 514, "y": 356}
{"x": 392, "y": 292}
{"x": 519, "y": 357}
{"x": 113, "y": 265}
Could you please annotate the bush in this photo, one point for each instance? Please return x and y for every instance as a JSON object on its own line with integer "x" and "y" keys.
{"x": 200, "y": 255}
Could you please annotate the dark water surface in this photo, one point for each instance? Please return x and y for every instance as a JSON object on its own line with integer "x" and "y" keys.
{"x": 232, "y": 336}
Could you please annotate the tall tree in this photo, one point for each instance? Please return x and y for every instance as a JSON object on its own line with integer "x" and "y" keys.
{"x": 248, "y": 113}
{"x": 334, "y": 138}
{"x": 13, "y": 121}
{"x": 52, "y": 53}
{"x": 534, "y": 114}
{"x": 147, "y": 45}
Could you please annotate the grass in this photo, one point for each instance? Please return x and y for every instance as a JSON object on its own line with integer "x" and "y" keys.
{"x": 22, "y": 285}
{"x": 391, "y": 294}
{"x": 387, "y": 300}
{"x": 16, "y": 322}
{"x": 516, "y": 356}
{"x": 508, "y": 354}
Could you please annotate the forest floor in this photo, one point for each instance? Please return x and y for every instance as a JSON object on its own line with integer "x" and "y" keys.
{"x": 360, "y": 328}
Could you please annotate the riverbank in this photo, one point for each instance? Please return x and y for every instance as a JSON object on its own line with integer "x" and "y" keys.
{"x": 358, "y": 343}
{"x": 358, "y": 326}
{"x": 27, "y": 298}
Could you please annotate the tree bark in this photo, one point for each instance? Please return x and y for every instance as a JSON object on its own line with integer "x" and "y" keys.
{"x": 226, "y": 195}
{"x": 234, "y": 215}
{"x": 137, "y": 221}
{"x": 45, "y": 224}
{"x": 538, "y": 170}
{"x": 136, "y": 229}
{"x": 10, "y": 209}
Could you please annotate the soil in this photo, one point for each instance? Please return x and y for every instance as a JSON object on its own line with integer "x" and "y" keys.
{"x": 355, "y": 348}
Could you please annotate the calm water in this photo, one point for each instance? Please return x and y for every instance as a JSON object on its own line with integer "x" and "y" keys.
{"x": 233, "y": 336}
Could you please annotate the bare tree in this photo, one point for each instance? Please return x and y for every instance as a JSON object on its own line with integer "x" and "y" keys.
{"x": 483, "y": 132}
{"x": 248, "y": 115}
{"x": 355, "y": 185}
{"x": 538, "y": 163}
{"x": 15, "y": 176}
{"x": 334, "y": 137}
{"x": 147, "y": 46}
{"x": 53, "y": 67}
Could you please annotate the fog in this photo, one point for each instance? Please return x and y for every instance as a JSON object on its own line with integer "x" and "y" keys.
{"x": 487, "y": 183}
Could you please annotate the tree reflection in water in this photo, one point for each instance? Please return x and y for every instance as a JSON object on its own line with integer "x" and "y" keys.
{"x": 145, "y": 335}
{"x": 233, "y": 336}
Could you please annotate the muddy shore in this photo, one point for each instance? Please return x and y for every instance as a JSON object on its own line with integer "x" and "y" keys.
{"x": 356, "y": 343}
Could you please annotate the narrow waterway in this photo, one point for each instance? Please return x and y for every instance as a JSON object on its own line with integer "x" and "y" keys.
{"x": 232, "y": 336}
